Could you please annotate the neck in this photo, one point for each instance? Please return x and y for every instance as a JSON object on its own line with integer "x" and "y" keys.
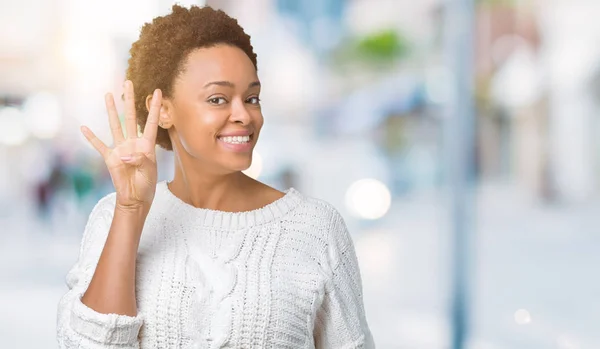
{"x": 202, "y": 188}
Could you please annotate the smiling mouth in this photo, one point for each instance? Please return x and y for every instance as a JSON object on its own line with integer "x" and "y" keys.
{"x": 236, "y": 139}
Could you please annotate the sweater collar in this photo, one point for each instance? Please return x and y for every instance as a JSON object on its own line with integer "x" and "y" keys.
{"x": 229, "y": 220}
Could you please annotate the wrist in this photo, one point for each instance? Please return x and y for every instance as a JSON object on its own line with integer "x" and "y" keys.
{"x": 132, "y": 211}
{"x": 129, "y": 223}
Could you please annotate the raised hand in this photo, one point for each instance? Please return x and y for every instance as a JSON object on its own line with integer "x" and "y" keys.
{"x": 132, "y": 161}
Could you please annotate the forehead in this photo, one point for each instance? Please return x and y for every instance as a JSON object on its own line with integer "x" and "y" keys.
{"x": 219, "y": 63}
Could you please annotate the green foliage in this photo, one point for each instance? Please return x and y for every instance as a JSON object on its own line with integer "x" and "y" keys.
{"x": 384, "y": 45}
{"x": 380, "y": 49}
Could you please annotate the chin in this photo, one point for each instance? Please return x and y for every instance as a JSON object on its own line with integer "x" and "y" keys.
{"x": 238, "y": 165}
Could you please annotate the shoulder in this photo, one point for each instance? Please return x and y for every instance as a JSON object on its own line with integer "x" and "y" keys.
{"x": 322, "y": 221}
{"x": 321, "y": 216}
{"x": 319, "y": 212}
{"x": 313, "y": 206}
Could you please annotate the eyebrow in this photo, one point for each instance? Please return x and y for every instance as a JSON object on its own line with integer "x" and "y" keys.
{"x": 230, "y": 84}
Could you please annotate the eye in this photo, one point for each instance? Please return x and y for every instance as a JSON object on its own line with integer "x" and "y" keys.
{"x": 253, "y": 100}
{"x": 217, "y": 100}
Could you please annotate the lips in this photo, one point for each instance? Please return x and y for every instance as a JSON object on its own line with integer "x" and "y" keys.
{"x": 251, "y": 136}
{"x": 239, "y": 141}
{"x": 239, "y": 144}
{"x": 236, "y": 133}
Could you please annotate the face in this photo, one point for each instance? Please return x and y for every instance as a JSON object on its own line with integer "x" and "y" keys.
{"x": 214, "y": 110}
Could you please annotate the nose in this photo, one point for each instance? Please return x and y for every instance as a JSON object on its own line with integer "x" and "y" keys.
{"x": 239, "y": 113}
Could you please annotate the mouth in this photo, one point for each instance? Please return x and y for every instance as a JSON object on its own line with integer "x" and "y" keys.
{"x": 237, "y": 139}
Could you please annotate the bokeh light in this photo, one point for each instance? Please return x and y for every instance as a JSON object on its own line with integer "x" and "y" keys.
{"x": 522, "y": 317}
{"x": 368, "y": 198}
{"x": 15, "y": 133}
{"x": 43, "y": 115}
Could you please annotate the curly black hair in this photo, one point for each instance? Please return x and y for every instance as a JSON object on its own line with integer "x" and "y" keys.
{"x": 157, "y": 57}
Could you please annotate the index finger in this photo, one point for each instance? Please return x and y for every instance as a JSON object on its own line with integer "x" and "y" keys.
{"x": 113, "y": 119}
{"x": 95, "y": 141}
{"x": 151, "y": 127}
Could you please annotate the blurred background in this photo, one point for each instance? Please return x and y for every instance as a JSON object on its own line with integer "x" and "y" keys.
{"x": 363, "y": 108}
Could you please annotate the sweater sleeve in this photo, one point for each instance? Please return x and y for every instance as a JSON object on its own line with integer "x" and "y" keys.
{"x": 78, "y": 326}
{"x": 341, "y": 322}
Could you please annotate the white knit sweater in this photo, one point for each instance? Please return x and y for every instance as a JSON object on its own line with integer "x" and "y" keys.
{"x": 283, "y": 276}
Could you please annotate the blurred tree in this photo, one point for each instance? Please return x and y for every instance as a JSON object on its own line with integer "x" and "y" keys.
{"x": 380, "y": 49}
{"x": 387, "y": 45}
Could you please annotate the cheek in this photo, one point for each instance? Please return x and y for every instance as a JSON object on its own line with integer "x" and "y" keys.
{"x": 198, "y": 128}
{"x": 258, "y": 121}
{"x": 209, "y": 120}
{"x": 208, "y": 124}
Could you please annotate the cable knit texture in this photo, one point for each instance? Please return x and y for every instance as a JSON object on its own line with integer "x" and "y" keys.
{"x": 282, "y": 276}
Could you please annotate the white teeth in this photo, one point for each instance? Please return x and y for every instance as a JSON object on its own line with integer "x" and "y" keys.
{"x": 236, "y": 139}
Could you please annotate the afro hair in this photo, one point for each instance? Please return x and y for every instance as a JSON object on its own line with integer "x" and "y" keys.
{"x": 159, "y": 54}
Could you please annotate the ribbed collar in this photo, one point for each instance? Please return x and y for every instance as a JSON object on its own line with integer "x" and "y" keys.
{"x": 230, "y": 220}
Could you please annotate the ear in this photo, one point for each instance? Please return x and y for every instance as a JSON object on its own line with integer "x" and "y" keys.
{"x": 164, "y": 121}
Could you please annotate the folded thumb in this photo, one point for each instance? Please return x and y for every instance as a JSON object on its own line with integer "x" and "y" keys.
{"x": 136, "y": 159}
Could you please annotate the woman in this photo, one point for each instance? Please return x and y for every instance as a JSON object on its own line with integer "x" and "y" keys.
{"x": 213, "y": 258}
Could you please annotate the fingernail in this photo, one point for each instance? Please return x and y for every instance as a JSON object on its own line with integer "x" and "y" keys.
{"x": 155, "y": 94}
{"x": 126, "y": 158}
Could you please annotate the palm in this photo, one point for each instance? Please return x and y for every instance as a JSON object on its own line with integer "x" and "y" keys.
{"x": 132, "y": 161}
{"x": 131, "y": 182}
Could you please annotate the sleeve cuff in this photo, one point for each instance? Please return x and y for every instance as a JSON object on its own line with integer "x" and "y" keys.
{"x": 105, "y": 328}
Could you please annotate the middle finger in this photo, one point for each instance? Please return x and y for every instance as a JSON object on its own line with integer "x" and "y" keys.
{"x": 130, "y": 120}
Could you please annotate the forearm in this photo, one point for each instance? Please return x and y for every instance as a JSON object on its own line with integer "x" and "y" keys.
{"x": 112, "y": 288}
